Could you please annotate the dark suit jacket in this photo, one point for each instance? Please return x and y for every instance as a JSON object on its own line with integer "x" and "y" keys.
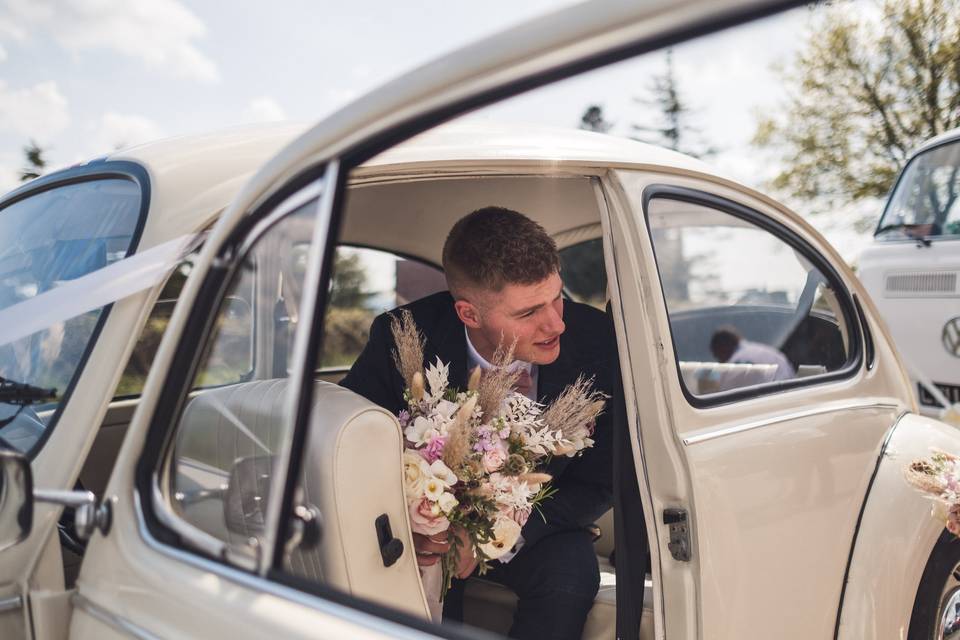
{"x": 588, "y": 346}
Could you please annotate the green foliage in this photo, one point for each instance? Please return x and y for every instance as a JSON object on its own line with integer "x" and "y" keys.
{"x": 349, "y": 281}
{"x": 36, "y": 163}
{"x": 675, "y": 130}
{"x": 594, "y": 120}
{"x": 866, "y": 88}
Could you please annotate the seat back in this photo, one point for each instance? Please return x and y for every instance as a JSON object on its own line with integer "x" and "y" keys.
{"x": 352, "y": 474}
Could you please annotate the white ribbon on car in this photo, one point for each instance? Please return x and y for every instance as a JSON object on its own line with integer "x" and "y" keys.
{"x": 94, "y": 290}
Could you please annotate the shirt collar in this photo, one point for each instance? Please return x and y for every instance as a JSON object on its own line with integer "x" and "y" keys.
{"x": 474, "y": 359}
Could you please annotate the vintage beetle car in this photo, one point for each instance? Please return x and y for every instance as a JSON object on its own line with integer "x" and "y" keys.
{"x": 250, "y": 497}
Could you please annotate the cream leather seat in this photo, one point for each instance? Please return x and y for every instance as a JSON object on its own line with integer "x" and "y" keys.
{"x": 353, "y": 475}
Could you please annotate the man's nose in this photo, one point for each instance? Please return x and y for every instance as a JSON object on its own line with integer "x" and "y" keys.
{"x": 553, "y": 322}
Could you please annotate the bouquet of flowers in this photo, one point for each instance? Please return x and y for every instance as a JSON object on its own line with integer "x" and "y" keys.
{"x": 938, "y": 476}
{"x": 474, "y": 457}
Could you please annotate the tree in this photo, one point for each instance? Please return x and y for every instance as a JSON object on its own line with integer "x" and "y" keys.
{"x": 349, "y": 281}
{"x": 593, "y": 120}
{"x": 675, "y": 130}
{"x": 865, "y": 89}
{"x": 36, "y": 163}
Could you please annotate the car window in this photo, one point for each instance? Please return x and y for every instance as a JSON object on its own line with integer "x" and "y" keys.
{"x": 365, "y": 283}
{"x": 583, "y": 273}
{"x": 47, "y": 240}
{"x": 745, "y": 308}
{"x": 233, "y": 421}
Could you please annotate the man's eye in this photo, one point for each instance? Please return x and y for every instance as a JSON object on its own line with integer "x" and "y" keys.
{"x": 526, "y": 314}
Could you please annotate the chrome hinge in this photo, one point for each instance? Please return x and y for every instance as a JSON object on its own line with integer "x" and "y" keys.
{"x": 679, "y": 545}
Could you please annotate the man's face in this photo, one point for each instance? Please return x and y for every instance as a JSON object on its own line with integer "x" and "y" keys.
{"x": 532, "y": 314}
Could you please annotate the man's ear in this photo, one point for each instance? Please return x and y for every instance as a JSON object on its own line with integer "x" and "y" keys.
{"x": 468, "y": 313}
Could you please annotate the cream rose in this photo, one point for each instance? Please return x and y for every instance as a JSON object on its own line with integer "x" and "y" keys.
{"x": 506, "y": 532}
{"x": 416, "y": 471}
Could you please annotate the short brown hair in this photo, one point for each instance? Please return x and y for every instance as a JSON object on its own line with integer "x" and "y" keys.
{"x": 493, "y": 247}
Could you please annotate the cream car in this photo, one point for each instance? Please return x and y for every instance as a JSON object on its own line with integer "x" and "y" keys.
{"x": 239, "y": 492}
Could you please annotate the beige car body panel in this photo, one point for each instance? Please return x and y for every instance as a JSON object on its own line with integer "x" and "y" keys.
{"x": 131, "y": 579}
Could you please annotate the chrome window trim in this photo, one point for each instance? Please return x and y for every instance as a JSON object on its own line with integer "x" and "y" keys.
{"x": 263, "y": 585}
{"x": 315, "y": 190}
{"x": 112, "y": 620}
{"x": 713, "y": 433}
{"x": 11, "y": 604}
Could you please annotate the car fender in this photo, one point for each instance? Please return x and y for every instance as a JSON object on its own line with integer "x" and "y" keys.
{"x": 895, "y": 536}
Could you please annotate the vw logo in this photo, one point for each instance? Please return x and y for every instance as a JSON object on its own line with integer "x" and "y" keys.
{"x": 951, "y": 336}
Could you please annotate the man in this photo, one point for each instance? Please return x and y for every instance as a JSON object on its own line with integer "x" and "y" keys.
{"x": 503, "y": 274}
{"x": 727, "y": 345}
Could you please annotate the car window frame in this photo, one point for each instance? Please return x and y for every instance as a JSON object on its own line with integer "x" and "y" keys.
{"x": 90, "y": 172}
{"x": 159, "y": 523}
{"x": 855, "y": 356}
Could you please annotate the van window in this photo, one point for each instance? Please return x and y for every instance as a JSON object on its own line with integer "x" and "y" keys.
{"x": 924, "y": 202}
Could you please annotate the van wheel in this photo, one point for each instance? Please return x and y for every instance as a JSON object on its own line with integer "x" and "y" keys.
{"x": 936, "y": 610}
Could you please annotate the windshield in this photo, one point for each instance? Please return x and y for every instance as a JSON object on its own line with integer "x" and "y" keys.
{"x": 47, "y": 240}
{"x": 924, "y": 202}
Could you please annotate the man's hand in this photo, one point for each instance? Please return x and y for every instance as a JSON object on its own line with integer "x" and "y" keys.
{"x": 430, "y": 548}
{"x": 466, "y": 560}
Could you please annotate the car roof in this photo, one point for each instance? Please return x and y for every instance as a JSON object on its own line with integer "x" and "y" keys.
{"x": 946, "y": 136}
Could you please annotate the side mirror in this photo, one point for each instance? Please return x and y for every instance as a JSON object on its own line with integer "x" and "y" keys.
{"x": 16, "y": 498}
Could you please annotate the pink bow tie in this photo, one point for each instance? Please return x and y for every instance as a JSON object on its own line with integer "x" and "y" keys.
{"x": 523, "y": 383}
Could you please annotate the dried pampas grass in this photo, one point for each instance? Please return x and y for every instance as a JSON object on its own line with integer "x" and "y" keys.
{"x": 457, "y": 448}
{"x": 408, "y": 356}
{"x": 497, "y": 382}
{"x": 574, "y": 411}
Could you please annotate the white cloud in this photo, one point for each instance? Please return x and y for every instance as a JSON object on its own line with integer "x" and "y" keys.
{"x": 264, "y": 109}
{"x": 116, "y": 130}
{"x": 162, "y": 33}
{"x": 40, "y": 111}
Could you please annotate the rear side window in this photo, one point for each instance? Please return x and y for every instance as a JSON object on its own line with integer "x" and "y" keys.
{"x": 47, "y": 240}
{"x": 746, "y": 308}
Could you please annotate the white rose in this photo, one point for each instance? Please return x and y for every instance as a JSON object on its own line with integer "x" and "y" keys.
{"x": 447, "y": 502}
{"x": 415, "y": 474}
{"x": 506, "y": 532}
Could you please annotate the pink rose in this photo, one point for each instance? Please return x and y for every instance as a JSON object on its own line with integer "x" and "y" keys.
{"x": 494, "y": 457}
{"x": 434, "y": 449}
{"x": 518, "y": 515}
{"x": 427, "y": 518}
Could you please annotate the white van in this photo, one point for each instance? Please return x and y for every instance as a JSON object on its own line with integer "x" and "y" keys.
{"x": 912, "y": 270}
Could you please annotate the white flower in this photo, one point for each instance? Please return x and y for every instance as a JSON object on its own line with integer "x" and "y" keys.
{"x": 506, "y": 532}
{"x": 416, "y": 471}
{"x": 445, "y": 409}
{"x": 447, "y": 502}
{"x": 421, "y": 431}
{"x": 433, "y": 489}
{"x": 443, "y": 473}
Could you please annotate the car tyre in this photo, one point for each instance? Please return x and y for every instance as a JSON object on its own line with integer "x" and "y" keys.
{"x": 938, "y": 593}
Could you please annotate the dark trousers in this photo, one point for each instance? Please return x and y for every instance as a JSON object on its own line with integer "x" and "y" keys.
{"x": 556, "y": 581}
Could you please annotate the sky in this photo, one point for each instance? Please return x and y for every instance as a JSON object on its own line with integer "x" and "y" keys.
{"x": 83, "y": 77}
